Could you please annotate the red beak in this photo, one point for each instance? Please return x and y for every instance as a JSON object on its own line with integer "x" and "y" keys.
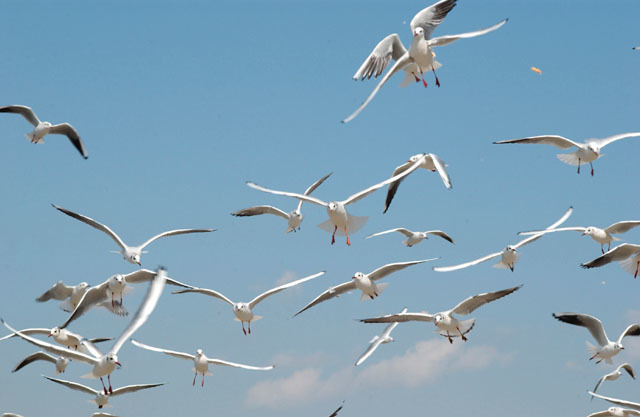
{"x": 49, "y": 335}
{"x": 139, "y": 264}
{"x": 118, "y": 363}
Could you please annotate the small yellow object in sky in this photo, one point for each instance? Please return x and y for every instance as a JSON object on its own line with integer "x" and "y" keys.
{"x": 538, "y": 70}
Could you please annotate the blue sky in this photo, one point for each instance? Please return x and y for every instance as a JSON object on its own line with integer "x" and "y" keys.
{"x": 180, "y": 103}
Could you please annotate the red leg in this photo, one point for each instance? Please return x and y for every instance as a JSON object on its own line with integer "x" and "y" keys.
{"x": 109, "y": 379}
{"x": 637, "y": 266}
{"x": 591, "y": 168}
{"x": 333, "y": 236}
{"x": 423, "y": 80}
{"x": 243, "y": 330}
{"x": 414, "y": 76}
{"x": 434, "y": 73}
{"x": 345, "y": 232}
{"x": 194, "y": 378}
{"x": 249, "y": 325}
{"x": 602, "y": 249}
{"x": 461, "y": 335}
{"x": 578, "y": 165}
{"x": 103, "y": 387}
{"x": 203, "y": 379}
{"x": 112, "y": 303}
{"x": 450, "y": 339}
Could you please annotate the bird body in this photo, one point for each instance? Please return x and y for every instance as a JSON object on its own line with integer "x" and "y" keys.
{"x": 615, "y": 374}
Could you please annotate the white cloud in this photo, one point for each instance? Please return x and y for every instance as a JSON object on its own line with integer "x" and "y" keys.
{"x": 286, "y": 277}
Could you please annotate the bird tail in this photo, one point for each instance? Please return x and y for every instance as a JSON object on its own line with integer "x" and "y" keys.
{"x": 66, "y": 306}
{"x": 31, "y": 137}
{"x": 409, "y": 78}
{"x": 355, "y": 223}
{"x": 592, "y": 349}
{"x": 379, "y": 287}
{"x": 569, "y": 158}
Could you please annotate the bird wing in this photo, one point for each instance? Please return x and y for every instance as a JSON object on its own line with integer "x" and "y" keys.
{"x": 629, "y": 370}
{"x": 374, "y": 65}
{"x": 430, "y": 17}
{"x": 440, "y": 167}
{"x": 635, "y": 406}
{"x": 591, "y": 323}
{"x": 313, "y": 187}
{"x": 38, "y": 356}
{"x": 372, "y": 347}
{"x": 600, "y": 381}
{"x": 466, "y": 264}
{"x": 387, "y": 331}
{"x": 173, "y": 353}
{"x": 472, "y": 303}
{"x": 73, "y": 385}
{"x": 599, "y": 414}
{"x": 272, "y": 291}
{"x": 335, "y": 413}
{"x": 302, "y": 197}
{"x": 362, "y": 194}
{"x": 59, "y": 291}
{"x": 91, "y": 298}
{"x": 406, "y": 232}
{"x": 27, "y": 331}
{"x": 619, "y": 253}
{"x": 258, "y": 210}
{"x": 604, "y": 142}
{"x": 559, "y": 229}
{"x": 393, "y": 187}
{"x": 93, "y": 224}
{"x": 144, "y": 311}
{"x": 329, "y": 294}
{"x": 25, "y": 111}
{"x": 205, "y": 291}
{"x": 133, "y": 388}
{"x": 553, "y": 140}
{"x": 632, "y": 330}
{"x": 557, "y": 223}
{"x": 68, "y": 130}
{"x": 441, "y": 234}
{"x": 385, "y": 270}
{"x": 145, "y": 275}
{"x": 447, "y": 39}
{"x": 239, "y": 365}
{"x": 622, "y": 227}
{"x": 402, "y": 317}
{"x": 174, "y": 233}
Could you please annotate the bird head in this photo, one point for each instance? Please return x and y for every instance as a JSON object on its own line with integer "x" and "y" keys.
{"x": 418, "y": 32}
{"x": 198, "y": 352}
{"x": 113, "y": 358}
{"x": 358, "y": 276}
{"x": 618, "y": 346}
{"x": 588, "y": 231}
{"x": 134, "y": 258}
{"x": 594, "y": 148}
{"x": 415, "y": 157}
{"x": 510, "y": 248}
{"x": 437, "y": 318}
{"x": 333, "y": 206}
{"x": 54, "y": 332}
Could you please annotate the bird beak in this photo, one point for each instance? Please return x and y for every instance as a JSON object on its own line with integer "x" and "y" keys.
{"x": 139, "y": 264}
{"x": 622, "y": 348}
{"x": 118, "y": 363}
{"x": 50, "y": 335}
{"x": 353, "y": 277}
{"x": 583, "y": 233}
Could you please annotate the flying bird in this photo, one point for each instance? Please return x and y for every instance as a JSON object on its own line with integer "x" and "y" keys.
{"x": 385, "y": 337}
{"x": 602, "y": 236}
{"x": 429, "y": 161}
{"x": 293, "y": 219}
{"x": 615, "y": 412}
{"x": 60, "y": 335}
{"x": 420, "y": 56}
{"x": 130, "y": 254}
{"x": 612, "y": 376}
{"x": 60, "y": 362}
{"x": 105, "y": 364}
{"x": 627, "y": 254}
{"x": 335, "y": 413}
{"x": 44, "y": 128}
{"x": 634, "y": 406}
{"x": 200, "y": 360}
{"x": 447, "y": 324}
{"x": 244, "y": 311}
{"x": 606, "y": 349}
{"x": 69, "y": 295}
{"x": 588, "y": 151}
{"x": 509, "y": 255}
{"x": 101, "y": 399}
{"x": 413, "y": 238}
{"x": 364, "y": 282}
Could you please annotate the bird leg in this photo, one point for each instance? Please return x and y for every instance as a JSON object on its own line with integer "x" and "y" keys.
{"x": 637, "y": 266}
{"x": 249, "y": 325}
{"x": 414, "y": 76}
{"x": 103, "y": 387}
{"x": 461, "y": 335}
{"x": 345, "y": 232}
{"x": 243, "y": 330}
{"x": 333, "y": 236}
{"x": 109, "y": 379}
{"x": 202, "y": 380}
{"x": 112, "y": 303}
{"x": 578, "y": 165}
{"x": 194, "y": 378}
{"x": 449, "y": 337}
{"x": 591, "y": 168}
{"x": 434, "y": 73}
{"x": 423, "y": 80}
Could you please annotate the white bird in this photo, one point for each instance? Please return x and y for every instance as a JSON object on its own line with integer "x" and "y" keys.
{"x": 420, "y": 56}
{"x": 244, "y": 311}
{"x": 115, "y": 286}
{"x": 634, "y": 406}
{"x": 62, "y": 336}
{"x": 364, "y": 282}
{"x": 11, "y": 415}
{"x": 130, "y": 254}
{"x": 606, "y": 349}
{"x": 588, "y": 151}
{"x": 200, "y": 360}
{"x": 340, "y": 221}
{"x": 293, "y": 219}
{"x": 385, "y": 337}
{"x": 612, "y": 376}
{"x": 615, "y": 412}
{"x": 429, "y": 161}
{"x": 44, "y": 128}
{"x": 448, "y": 325}
{"x": 102, "y": 415}
{"x": 413, "y": 238}
{"x": 60, "y": 362}
{"x": 627, "y": 254}
{"x": 70, "y": 296}
{"x": 509, "y": 255}
{"x": 105, "y": 364}
{"x": 602, "y": 236}
{"x": 101, "y": 399}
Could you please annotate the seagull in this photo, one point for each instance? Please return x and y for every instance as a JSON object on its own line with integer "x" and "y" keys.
{"x": 624, "y": 403}
{"x": 70, "y": 296}
{"x": 105, "y": 364}
{"x": 378, "y": 340}
{"x": 448, "y": 325}
{"x": 102, "y": 415}
{"x": 602, "y": 236}
{"x": 413, "y": 238}
{"x": 364, "y": 282}
{"x": 11, "y": 415}
{"x": 200, "y": 361}
{"x": 60, "y": 362}
{"x": 112, "y": 288}
{"x": 509, "y": 255}
{"x": 607, "y": 349}
{"x": 588, "y": 151}
{"x": 130, "y": 254}
{"x": 102, "y": 398}
{"x": 612, "y": 376}
{"x": 615, "y": 412}
{"x": 44, "y": 128}
{"x": 340, "y": 221}
{"x": 335, "y": 413}
{"x": 294, "y": 218}
{"x": 627, "y": 254}
{"x": 420, "y": 56}
{"x": 428, "y": 161}
{"x": 244, "y": 311}
{"x": 60, "y": 335}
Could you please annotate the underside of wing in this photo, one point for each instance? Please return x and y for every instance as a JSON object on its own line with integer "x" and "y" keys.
{"x": 375, "y": 64}
{"x": 589, "y": 322}
{"x": 472, "y": 303}
{"x": 329, "y": 294}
